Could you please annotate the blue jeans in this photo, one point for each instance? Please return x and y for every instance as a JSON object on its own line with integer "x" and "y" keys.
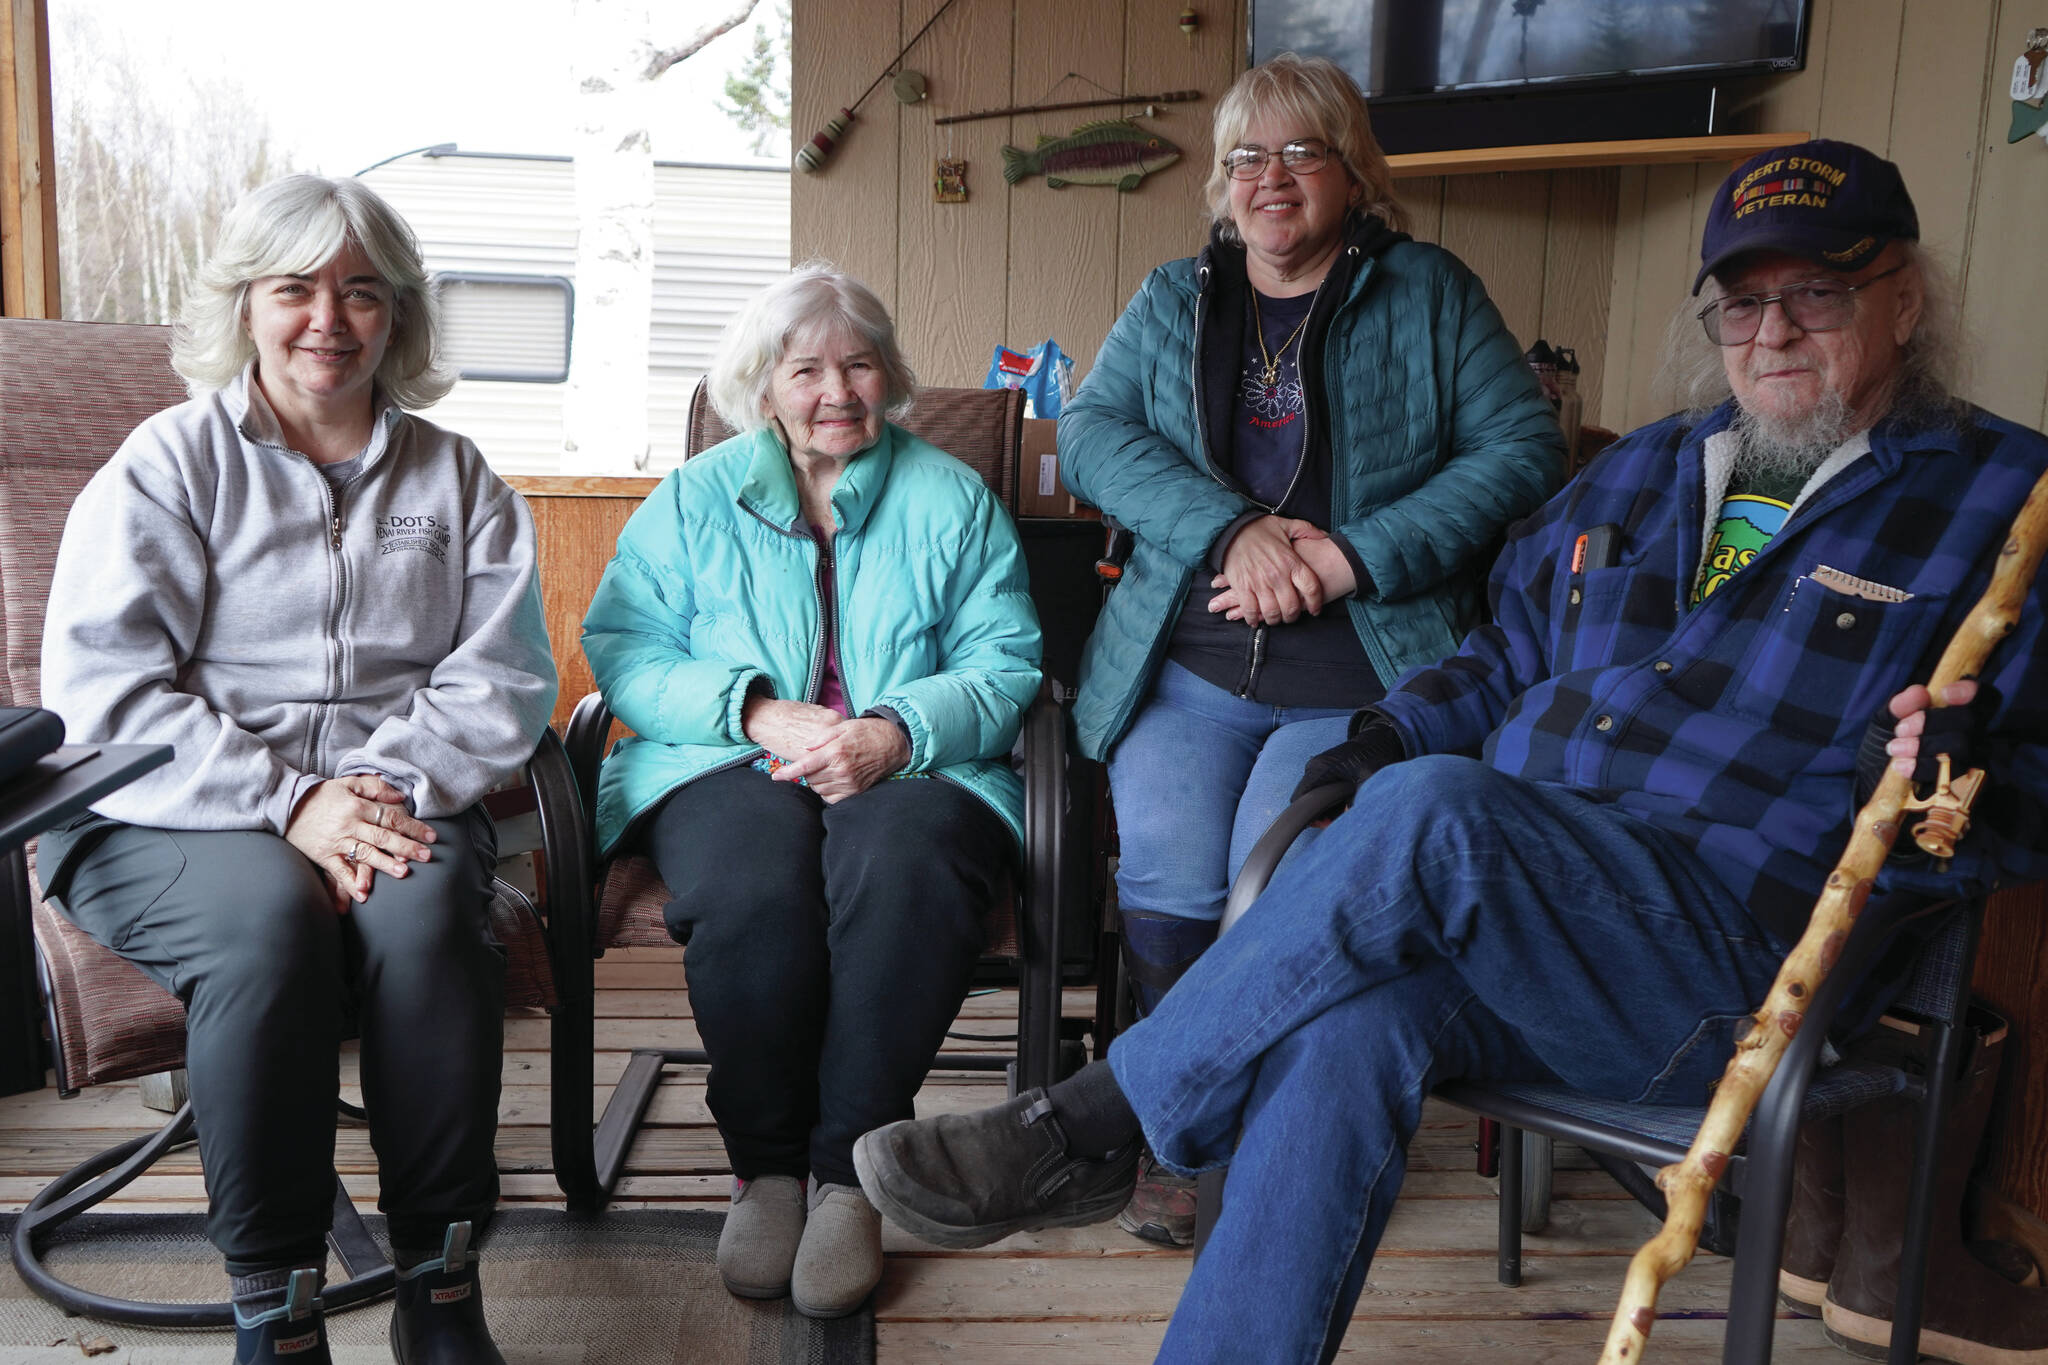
{"x": 1196, "y": 780}
{"x": 1455, "y": 922}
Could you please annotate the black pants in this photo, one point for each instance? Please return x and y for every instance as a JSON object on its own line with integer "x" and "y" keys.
{"x": 830, "y": 948}
{"x": 239, "y": 926}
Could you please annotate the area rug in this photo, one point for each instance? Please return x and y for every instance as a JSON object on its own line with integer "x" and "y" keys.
{"x": 631, "y": 1287}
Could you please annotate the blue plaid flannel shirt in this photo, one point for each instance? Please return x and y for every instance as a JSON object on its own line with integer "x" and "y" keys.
{"x": 1734, "y": 724}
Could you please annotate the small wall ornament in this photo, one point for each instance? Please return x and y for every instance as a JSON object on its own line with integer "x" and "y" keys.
{"x": 1110, "y": 152}
{"x": 949, "y": 180}
{"x": 2030, "y": 89}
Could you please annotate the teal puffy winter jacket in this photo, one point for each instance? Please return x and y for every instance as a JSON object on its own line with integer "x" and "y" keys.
{"x": 1439, "y": 438}
{"x": 715, "y": 585}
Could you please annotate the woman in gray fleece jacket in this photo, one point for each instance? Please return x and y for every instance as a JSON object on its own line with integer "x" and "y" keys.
{"x": 329, "y": 607}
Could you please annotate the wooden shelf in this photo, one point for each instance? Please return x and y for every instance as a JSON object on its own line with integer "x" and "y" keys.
{"x": 1553, "y": 156}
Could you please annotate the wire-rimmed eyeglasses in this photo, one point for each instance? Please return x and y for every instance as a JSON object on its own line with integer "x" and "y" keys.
{"x": 1812, "y": 305}
{"x": 1303, "y": 156}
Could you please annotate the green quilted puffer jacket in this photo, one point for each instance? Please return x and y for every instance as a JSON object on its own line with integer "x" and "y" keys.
{"x": 715, "y": 585}
{"x": 1439, "y": 438}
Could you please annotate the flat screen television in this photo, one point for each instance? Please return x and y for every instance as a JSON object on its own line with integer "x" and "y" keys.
{"x": 1465, "y": 73}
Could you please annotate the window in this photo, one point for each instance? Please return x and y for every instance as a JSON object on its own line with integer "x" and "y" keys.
{"x": 513, "y": 328}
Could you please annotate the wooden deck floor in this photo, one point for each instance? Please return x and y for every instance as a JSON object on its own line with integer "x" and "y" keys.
{"x": 1089, "y": 1295}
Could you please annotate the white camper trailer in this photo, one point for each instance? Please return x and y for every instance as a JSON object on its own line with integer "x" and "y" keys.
{"x": 499, "y": 233}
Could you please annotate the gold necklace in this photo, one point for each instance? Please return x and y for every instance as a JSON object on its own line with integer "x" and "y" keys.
{"x": 1271, "y": 360}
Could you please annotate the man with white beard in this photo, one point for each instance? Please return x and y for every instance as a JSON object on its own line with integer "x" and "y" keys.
{"x": 1579, "y": 847}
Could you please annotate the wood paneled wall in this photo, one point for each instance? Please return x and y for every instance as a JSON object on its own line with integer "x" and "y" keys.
{"x": 1926, "y": 85}
{"x": 1016, "y": 265}
{"x": 577, "y": 522}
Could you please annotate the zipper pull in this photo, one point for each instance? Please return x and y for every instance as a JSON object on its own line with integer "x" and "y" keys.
{"x": 334, "y": 532}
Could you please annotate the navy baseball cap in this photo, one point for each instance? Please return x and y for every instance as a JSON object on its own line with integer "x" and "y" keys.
{"x": 1833, "y": 203}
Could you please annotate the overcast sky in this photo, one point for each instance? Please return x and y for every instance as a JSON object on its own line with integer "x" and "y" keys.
{"x": 348, "y": 85}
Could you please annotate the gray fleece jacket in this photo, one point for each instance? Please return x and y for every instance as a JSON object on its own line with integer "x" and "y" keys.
{"x": 212, "y": 592}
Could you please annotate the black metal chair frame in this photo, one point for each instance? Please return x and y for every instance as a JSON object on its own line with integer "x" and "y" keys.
{"x": 370, "y": 1275}
{"x": 1761, "y": 1174}
{"x": 1042, "y": 897}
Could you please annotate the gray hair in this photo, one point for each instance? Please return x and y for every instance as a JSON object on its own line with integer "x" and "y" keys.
{"x": 1312, "y": 91}
{"x": 1931, "y": 375}
{"x": 759, "y": 335}
{"x": 294, "y": 226}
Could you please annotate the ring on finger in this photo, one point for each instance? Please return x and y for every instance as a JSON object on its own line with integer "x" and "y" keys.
{"x": 355, "y": 849}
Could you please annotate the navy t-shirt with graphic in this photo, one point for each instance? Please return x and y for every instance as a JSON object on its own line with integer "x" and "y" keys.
{"x": 1268, "y": 420}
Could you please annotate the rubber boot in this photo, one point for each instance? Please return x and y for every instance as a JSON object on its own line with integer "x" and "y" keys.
{"x": 438, "y": 1315}
{"x": 1158, "y": 950}
{"x": 1813, "y": 1227}
{"x": 295, "y": 1332}
{"x": 1973, "y": 1315}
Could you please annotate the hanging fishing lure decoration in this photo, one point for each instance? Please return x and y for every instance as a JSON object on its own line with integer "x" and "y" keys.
{"x": 814, "y": 154}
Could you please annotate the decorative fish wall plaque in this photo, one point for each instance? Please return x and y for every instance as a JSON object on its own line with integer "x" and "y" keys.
{"x": 1112, "y": 152}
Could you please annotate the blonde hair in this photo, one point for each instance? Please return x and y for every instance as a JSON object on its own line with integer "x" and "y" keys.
{"x": 1312, "y": 91}
{"x": 759, "y": 335}
{"x": 294, "y": 226}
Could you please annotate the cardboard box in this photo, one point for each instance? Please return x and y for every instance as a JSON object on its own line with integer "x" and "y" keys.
{"x": 1039, "y": 491}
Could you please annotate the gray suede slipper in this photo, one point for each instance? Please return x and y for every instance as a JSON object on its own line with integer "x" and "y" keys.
{"x": 762, "y": 1229}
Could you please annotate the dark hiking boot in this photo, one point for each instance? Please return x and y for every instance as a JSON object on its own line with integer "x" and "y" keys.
{"x": 438, "y": 1315}
{"x": 293, "y": 1333}
{"x": 1974, "y": 1315}
{"x": 1158, "y": 950}
{"x": 965, "y": 1180}
{"x": 1162, "y": 1206}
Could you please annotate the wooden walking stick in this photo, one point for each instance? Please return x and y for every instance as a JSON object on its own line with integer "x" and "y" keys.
{"x": 1687, "y": 1184}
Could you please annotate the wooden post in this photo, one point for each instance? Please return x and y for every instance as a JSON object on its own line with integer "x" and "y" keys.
{"x": 29, "y": 282}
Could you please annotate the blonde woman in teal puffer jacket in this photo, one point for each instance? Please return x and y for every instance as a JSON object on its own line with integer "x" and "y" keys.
{"x": 821, "y": 636}
{"x": 1315, "y": 431}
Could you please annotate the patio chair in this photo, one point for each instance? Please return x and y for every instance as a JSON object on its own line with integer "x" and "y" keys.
{"x": 983, "y": 428}
{"x": 1908, "y": 953}
{"x": 74, "y": 391}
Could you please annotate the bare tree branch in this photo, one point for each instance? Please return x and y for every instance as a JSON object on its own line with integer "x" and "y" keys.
{"x": 662, "y": 61}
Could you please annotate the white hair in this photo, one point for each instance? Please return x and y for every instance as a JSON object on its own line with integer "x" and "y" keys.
{"x": 294, "y": 226}
{"x": 758, "y": 337}
{"x": 1930, "y": 374}
{"x": 1315, "y": 92}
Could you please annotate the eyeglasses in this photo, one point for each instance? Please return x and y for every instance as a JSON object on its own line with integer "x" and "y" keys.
{"x": 1811, "y": 305}
{"x": 1303, "y": 156}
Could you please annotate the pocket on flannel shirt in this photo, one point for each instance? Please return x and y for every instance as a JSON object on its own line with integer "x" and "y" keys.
{"x": 1822, "y": 663}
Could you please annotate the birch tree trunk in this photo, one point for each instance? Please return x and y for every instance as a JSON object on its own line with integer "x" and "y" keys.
{"x": 604, "y": 412}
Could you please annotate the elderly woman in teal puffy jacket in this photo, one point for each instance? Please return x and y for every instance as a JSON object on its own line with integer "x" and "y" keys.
{"x": 1315, "y": 430}
{"x": 820, "y": 635}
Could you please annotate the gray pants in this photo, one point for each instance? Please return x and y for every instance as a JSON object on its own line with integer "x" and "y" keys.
{"x": 239, "y": 925}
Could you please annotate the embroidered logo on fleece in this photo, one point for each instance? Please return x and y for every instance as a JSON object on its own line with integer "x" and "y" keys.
{"x": 428, "y": 534}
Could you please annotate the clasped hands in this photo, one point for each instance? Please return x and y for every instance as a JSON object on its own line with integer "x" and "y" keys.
{"x": 1276, "y": 568}
{"x": 840, "y": 756}
{"x": 353, "y": 827}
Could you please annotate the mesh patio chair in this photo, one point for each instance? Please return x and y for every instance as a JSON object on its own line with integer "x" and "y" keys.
{"x": 1908, "y": 953}
{"x": 73, "y": 392}
{"x": 983, "y": 428}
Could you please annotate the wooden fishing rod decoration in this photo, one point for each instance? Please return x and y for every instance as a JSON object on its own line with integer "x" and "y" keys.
{"x": 1687, "y": 1184}
{"x": 1170, "y": 97}
{"x": 815, "y": 153}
